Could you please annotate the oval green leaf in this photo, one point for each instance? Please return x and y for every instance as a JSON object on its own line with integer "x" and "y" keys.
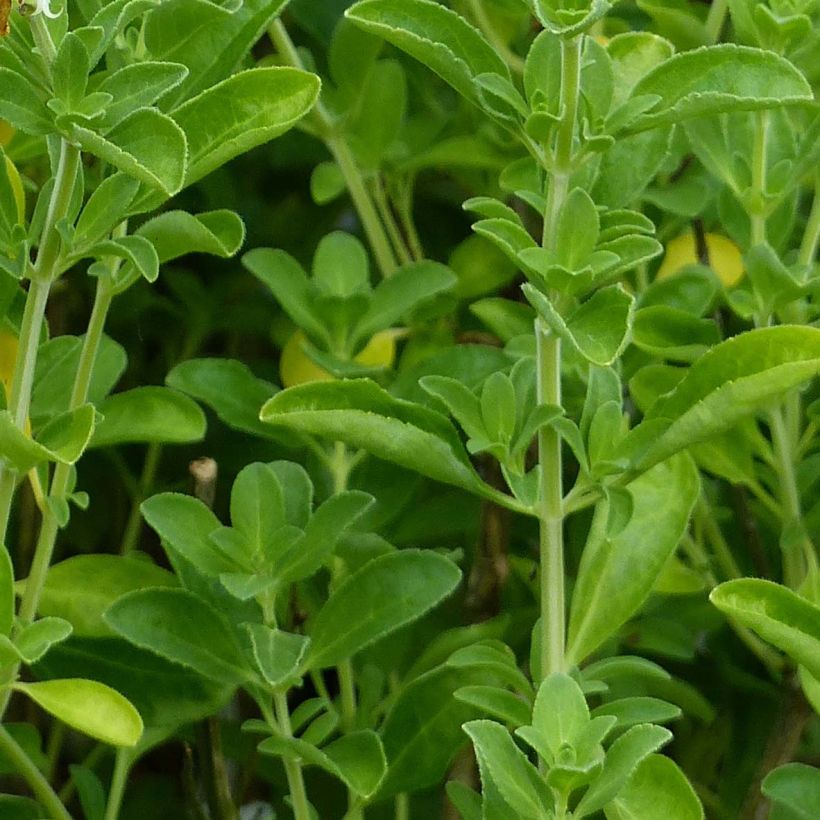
{"x": 90, "y": 707}
{"x": 387, "y": 593}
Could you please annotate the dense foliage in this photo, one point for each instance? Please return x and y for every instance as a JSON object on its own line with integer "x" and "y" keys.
{"x": 315, "y": 502}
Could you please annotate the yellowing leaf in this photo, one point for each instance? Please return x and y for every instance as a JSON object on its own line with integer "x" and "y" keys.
{"x": 296, "y": 367}
{"x": 8, "y": 355}
{"x": 724, "y": 257}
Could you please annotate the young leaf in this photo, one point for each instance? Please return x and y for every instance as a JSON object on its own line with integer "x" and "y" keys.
{"x": 37, "y": 638}
{"x": 615, "y": 577}
{"x": 150, "y": 414}
{"x": 180, "y": 627}
{"x": 244, "y": 111}
{"x": 357, "y": 759}
{"x": 184, "y": 524}
{"x": 90, "y": 707}
{"x": 719, "y": 79}
{"x": 777, "y": 614}
{"x": 516, "y": 778}
{"x": 385, "y": 594}
{"x": 620, "y": 762}
{"x": 62, "y": 440}
{"x": 632, "y": 711}
{"x": 560, "y": 711}
{"x": 396, "y": 296}
{"x": 497, "y": 702}
{"x": 176, "y": 233}
{"x": 434, "y": 35}
{"x": 278, "y": 654}
{"x": 657, "y": 789}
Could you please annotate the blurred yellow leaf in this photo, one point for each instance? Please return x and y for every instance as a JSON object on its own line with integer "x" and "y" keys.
{"x": 724, "y": 257}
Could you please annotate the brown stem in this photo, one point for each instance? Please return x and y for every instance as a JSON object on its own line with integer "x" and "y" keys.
{"x": 781, "y": 747}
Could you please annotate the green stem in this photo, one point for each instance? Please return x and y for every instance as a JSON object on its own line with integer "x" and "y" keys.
{"x": 548, "y": 386}
{"x": 338, "y": 147}
{"x": 811, "y": 236}
{"x": 347, "y": 689}
{"x": 33, "y": 776}
{"x": 715, "y": 19}
{"x": 293, "y": 769}
{"x": 796, "y": 556}
{"x": 119, "y": 779}
{"x": 402, "y": 805}
{"x": 389, "y": 221}
{"x": 133, "y": 527}
{"x": 758, "y": 212}
{"x": 490, "y": 31}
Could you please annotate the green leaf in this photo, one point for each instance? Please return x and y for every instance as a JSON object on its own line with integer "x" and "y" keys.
{"x": 387, "y": 593}
{"x": 777, "y": 614}
{"x": 290, "y": 286}
{"x": 37, "y": 638}
{"x": 210, "y": 39}
{"x": 500, "y": 703}
{"x": 340, "y": 265}
{"x": 516, "y": 778}
{"x": 617, "y": 573}
{"x": 244, "y": 111}
{"x": 278, "y": 654}
{"x": 138, "y": 252}
{"x": 21, "y": 107}
{"x": 137, "y": 85}
{"x": 177, "y": 233}
{"x": 229, "y": 388}
{"x": 357, "y": 759}
{"x": 657, "y": 790}
{"x": 560, "y": 711}
{"x": 672, "y": 333}
{"x": 105, "y": 208}
{"x": 180, "y": 627}
{"x": 362, "y": 414}
{"x": 165, "y": 694}
{"x": 732, "y": 380}
{"x": 93, "y": 708}
{"x": 146, "y": 145}
{"x": 396, "y": 296}
{"x": 578, "y": 229}
{"x": 796, "y": 786}
{"x": 422, "y": 731}
{"x": 257, "y": 505}
{"x": 621, "y": 760}
{"x": 598, "y": 329}
{"x": 70, "y": 71}
{"x": 184, "y": 524}
{"x": 631, "y": 711}
{"x": 149, "y": 414}
{"x": 719, "y": 79}
{"x": 62, "y": 440}
{"x": 434, "y": 35}
{"x": 82, "y": 587}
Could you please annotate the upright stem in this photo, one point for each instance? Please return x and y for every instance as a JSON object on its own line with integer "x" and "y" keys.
{"x": 338, "y": 147}
{"x": 548, "y": 385}
{"x": 796, "y": 556}
{"x": 758, "y": 213}
{"x": 119, "y": 779}
{"x": 811, "y": 236}
{"x": 715, "y": 19}
{"x": 33, "y": 776}
{"x": 293, "y": 769}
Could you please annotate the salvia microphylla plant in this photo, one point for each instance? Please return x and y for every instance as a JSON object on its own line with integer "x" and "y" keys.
{"x": 511, "y": 514}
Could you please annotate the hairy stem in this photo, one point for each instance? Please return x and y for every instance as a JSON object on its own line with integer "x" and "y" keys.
{"x": 758, "y": 213}
{"x": 548, "y": 387}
